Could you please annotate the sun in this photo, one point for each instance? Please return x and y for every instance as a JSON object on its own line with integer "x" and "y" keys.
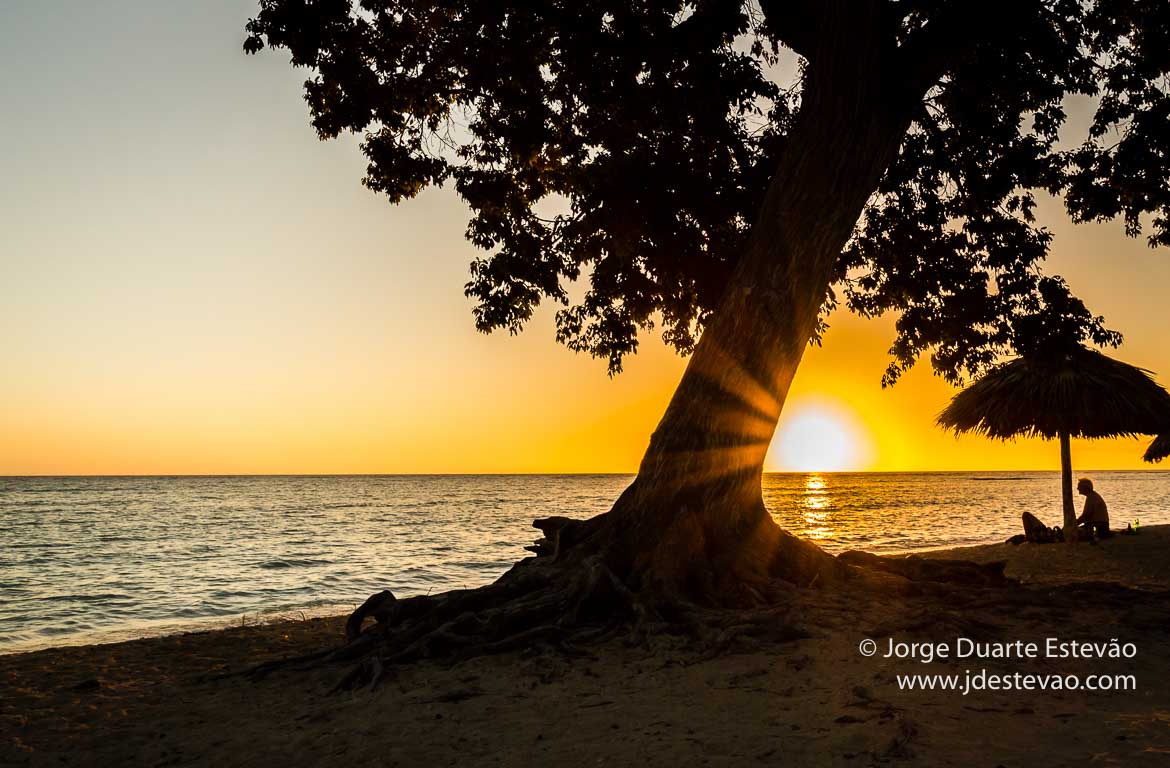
{"x": 819, "y": 436}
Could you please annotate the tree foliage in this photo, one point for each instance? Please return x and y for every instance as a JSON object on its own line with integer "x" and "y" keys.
{"x": 632, "y": 143}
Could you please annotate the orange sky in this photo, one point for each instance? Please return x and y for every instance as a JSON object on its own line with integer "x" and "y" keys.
{"x": 193, "y": 284}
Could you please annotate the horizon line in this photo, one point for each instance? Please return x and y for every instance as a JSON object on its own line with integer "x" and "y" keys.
{"x": 49, "y": 476}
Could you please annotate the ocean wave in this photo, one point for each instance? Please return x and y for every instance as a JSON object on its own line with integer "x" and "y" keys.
{"x": 294, "y": 563}
{"x": 98, "y": 597}
{"x": 997, "y": 479}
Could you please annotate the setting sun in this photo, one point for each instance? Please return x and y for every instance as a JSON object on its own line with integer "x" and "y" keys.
{"x": 820, "y": 436}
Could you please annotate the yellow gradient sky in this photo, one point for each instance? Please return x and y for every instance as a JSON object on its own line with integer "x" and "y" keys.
{"x": 191, "y": 283}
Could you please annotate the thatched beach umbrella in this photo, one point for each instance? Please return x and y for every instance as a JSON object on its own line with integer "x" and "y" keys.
{"x": 1081, "y": 393}
{"x": 1159, "y": 449}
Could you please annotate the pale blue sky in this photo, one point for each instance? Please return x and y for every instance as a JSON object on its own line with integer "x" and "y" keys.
{"x": 190, "y": 281}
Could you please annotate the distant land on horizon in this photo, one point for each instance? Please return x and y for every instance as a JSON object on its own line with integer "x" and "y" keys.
{"x": 170, "y": 475}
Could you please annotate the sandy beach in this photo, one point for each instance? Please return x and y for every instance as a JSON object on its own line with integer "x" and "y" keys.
{"x": 814, "y": 701}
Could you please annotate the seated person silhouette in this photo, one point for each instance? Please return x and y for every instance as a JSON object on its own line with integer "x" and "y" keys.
{"x": 1094, "y": 520}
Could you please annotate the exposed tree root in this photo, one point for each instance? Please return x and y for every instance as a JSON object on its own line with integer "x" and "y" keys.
{"x": 575, "y": 592}
{"x": 921, "y": 569}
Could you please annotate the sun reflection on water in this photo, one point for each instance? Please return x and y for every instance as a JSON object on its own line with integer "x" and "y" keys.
{"x": 816, "y": 504}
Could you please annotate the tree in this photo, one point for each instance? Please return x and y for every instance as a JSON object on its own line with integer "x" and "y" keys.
{"x": 648, "y": 148}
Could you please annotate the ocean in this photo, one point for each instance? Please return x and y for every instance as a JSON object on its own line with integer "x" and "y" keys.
{"x": 97, "y": 559}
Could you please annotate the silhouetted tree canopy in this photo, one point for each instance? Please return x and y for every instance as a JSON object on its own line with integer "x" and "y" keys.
{"x": 632, "y": 142}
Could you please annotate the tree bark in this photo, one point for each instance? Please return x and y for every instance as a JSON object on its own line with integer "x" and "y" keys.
{"x": 694, "y": 519}
{"x": 1066, "y": 489}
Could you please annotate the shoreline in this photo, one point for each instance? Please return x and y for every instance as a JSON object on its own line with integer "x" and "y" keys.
{"x": 1021, "y": 561}
{"x": 209, "y": 554}
{"x": 164, "y": 628}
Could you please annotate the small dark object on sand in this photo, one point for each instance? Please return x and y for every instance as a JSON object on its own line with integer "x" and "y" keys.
{"x": 1037, "y": 532}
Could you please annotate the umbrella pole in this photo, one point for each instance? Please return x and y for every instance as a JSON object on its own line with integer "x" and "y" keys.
{"x": 1066, "y": 488}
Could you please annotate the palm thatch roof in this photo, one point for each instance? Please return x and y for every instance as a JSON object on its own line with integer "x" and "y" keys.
{"x": 1159, "y": 449}
{"x": 1082, "y": 392}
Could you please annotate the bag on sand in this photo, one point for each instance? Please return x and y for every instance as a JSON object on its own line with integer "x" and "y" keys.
{"x": 1037, "y": 532}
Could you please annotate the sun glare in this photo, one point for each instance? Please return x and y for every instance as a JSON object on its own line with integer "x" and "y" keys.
{"x": 819, "y": 437}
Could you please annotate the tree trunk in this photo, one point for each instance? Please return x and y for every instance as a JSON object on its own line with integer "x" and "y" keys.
{"x": 1066, "y": 489}
{"x": 694, "y": 519}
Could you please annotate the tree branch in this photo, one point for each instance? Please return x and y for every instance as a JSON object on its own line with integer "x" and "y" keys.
{"x": 794, "y": 23}
{"x": 951, "y": 37}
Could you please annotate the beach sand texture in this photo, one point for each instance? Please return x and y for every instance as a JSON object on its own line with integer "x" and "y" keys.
{"x": 814, "y": 701}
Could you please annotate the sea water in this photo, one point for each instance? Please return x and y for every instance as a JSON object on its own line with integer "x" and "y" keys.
{"x": 90, "y": 559}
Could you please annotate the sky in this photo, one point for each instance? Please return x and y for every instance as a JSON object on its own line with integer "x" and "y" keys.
{"x": 192, "y": 283}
